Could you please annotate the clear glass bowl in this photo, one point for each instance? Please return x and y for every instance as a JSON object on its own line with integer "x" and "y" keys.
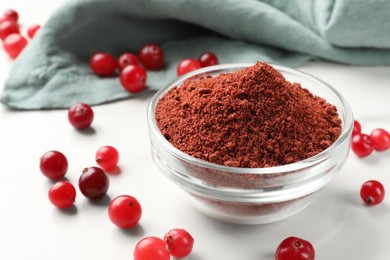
{"x": 252, "y": 195}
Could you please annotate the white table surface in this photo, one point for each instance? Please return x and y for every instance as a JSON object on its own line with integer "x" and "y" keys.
{"x": 338, "y": 224}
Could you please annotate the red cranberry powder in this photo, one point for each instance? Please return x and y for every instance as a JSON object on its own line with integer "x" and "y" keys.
{"x": 251, "y": 118}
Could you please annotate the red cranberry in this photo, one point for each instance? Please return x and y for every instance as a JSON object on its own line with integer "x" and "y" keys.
{"x": 14, "y": 45}
{"x": 12, "y": 14}
{"x": 62, "y": 194}
{"x": 294, "y": 248}
{"x": 127, "y": 59}
{"x": 32, "y": 30}
{"x": 107, "y": 157}
{"x": 362, "y": 145}
{"x": 187, "y": 65}
{"x": 151, "y": 56}
{"x": 8, "y": 27}
{"x": 125, "y": 211}
{"x": 80, "y": 115}
{"x": 380, "y": 139}
{"x": 133, "y": 78}
{"x": 179, "y": 242}
{"x": 151, "y": 248}
{"x": 208, "y": 59}
{"x": 54, "y": 165}
{"x": 103, "y": 64}
{"x": 357, "y": 129}
{"x": 372, "y": 192}
{"x": 6, "y": 18}
{"x": 93, "y": 183}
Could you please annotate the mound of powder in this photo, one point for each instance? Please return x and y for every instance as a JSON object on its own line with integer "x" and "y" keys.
{"x": 249, "y": 118}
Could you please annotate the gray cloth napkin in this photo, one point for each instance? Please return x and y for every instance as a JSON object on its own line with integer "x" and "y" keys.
{"x": 53, "y": 72}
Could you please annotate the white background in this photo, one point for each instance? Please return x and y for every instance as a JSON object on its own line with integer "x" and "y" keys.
{"x": 338, "y": 224}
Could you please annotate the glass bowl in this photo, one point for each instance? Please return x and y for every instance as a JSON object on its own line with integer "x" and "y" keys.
{"x": 252, "y": 195}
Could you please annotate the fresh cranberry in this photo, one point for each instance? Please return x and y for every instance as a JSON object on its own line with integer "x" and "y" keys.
{"x": 362, "y": 145}
{"x": 151, "y": 248}
{"x": 107, "y": 157}
{"x": 32, "y": 30}
{"x": 125, "y": 211}
{"x": 103, "y": 64}
{"x": 80, "y": 115}
{"x": 12, "y": 14}
{"x": 151, "y": 56}
{"x": 14, "y": 45}
{"x": 380, "y": 139}
{"x": 93, "y": 183}
{"x": 179, "y": 242}
{"x": 294, "y": 248}
{"x": 187, "y": 65}
{"x": 6, "y": 18}
{"x": 357, "y": 128}
{"x": 127, "y": 59}
{"x": 208, "y": 59}
{"x": 8, "y": 27}
{"x": 372, "y": 192}
{"x": 53, "y": 164}
{"x": 62, "y": 194}
{"x": 133, "y": 78}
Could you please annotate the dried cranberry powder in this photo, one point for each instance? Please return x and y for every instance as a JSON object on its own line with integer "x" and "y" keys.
{"x": 252, "y": 118}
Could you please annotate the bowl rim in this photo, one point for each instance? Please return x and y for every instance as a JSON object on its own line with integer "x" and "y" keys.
{"x": 344, "y": 136}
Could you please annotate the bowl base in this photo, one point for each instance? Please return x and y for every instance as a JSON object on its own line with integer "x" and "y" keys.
{"x": 249, "y": 213}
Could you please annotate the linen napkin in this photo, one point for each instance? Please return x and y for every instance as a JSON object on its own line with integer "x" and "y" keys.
{"x": 53, "y": 72}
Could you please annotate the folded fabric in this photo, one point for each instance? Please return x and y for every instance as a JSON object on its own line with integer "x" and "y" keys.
{"x": 53, "y": 71}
